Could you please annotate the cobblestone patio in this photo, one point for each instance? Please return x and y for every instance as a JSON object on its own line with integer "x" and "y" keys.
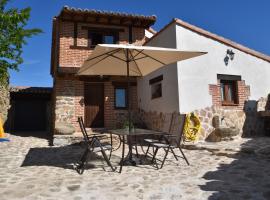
{"x": 29, "y": 169}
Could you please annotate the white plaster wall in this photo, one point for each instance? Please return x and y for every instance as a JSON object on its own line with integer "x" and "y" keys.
{"x": 169, "y": 101}
{"x": 195, "y": 75}
{"x": 148, "y": 34}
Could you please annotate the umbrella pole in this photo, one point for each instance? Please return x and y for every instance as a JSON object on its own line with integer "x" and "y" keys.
{"x": 128, "y": 90}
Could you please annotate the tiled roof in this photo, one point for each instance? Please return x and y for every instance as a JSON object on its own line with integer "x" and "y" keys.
{"x": 102, "y": 13}
{"x": 214, "y": 37}
{"x": 27, "y": 89}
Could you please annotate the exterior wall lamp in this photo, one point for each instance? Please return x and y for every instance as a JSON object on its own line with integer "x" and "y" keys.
{"x": 229, "y": 56}
{"x": 230, "y": 53}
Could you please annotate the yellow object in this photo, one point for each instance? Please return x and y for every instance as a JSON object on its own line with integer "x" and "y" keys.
{"x": 2, "y": 134}
{"x": 192, "y": 127}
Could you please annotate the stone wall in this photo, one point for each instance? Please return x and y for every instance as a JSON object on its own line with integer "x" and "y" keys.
{"x": 167, "y": 122}
{"x": 264, "y": 104}
{"x": 247, "y": 121}
{"x": 4, "y": 102}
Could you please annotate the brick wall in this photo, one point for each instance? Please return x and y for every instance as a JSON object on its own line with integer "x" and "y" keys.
{"x": 69, "y": 90}
{"x": 69, "y": 103}
{"x": 114, "y": 118}
{"x": 72, "y": 57}
{"x": 243, "y": 92}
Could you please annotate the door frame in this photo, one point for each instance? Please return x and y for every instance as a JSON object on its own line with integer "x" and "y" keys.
{"x": 103, "y": 102}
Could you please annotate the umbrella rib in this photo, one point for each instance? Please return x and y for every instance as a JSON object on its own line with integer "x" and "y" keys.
{"x": 112, "y": 51}
{"x": 138, "y": 53}
{"x": 136, "y": 63}
{"x": 140, "y": 58}
{"x": 152, "y": 58}
{"x": 107, "y": 55}
{"x": 116, "y": 57}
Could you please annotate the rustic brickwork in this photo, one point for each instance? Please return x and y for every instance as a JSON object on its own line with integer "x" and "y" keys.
{"x": 70, "y": 103}
{"x": 69, "y": 90}
{"x": 74, "y": 57}
{"x": 243, "y": 92}
{"x": 69, "y": 57}
{"x": 114, "y": 118}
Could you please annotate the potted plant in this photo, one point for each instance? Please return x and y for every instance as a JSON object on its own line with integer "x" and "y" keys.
{"x": 126, "y": 126}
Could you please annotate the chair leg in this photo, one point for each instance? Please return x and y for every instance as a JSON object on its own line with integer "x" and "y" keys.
{"x": 166, "y": 153}
{"x": 123, "y": 154}
{"x": 80, "y": 167}
{"x": 183, "y": 155}
{"x": 174, "y": 154}
{"x": 84, "y": 156}
{"x": 110, "y": 155}
{"x": 111, "y": 147}
{"x": 147, "y": 151}
{"x": 154, "y": 155}
{"x": 107, "y": 159}
{"x": 136, "y": 149}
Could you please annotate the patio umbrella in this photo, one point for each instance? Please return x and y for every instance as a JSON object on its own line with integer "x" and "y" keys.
{"x": 129, "y": 60}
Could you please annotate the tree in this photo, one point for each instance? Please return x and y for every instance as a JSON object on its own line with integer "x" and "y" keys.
{"x": 13, "y": 36}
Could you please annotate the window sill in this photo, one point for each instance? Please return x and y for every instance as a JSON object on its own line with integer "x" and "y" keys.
{"x": 120, "y": 108}
{"x": 230, "y": 104}
{"x": 81, "y": 47}
{"x": 155, "y": 98}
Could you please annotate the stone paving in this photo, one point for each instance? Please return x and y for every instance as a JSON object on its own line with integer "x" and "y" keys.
{"x": 29, "y": 169}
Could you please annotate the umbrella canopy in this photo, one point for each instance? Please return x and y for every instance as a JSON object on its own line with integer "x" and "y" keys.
{"x": 130, "y": 60}
{"x": 112, "y": 59}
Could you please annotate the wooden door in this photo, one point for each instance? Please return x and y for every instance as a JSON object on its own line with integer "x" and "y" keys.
{"x": 94, "y": 105}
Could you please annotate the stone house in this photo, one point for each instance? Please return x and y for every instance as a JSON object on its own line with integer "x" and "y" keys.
{"x": 227, "y": 82}
{"x": 101, "y": 100}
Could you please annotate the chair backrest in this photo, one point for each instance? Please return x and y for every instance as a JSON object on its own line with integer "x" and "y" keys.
{"x": 181, "y": 119}
{"x": 84, "y": 132}
{"x": 94, "y": 141}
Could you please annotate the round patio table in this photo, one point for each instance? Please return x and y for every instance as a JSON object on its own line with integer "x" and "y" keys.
{"x": 125, "y": 133}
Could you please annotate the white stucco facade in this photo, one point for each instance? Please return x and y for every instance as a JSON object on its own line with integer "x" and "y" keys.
{"x": 196, "y": 74}
{"x": 185, "y": 85}
{"x": 169, "y": 101}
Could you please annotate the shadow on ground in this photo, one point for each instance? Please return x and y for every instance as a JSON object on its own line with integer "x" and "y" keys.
{"x": 67, "y": 157}
{"x": 64, "y": 157}
{"x": 247, "y": 177}
{"x": 37, "y": 134}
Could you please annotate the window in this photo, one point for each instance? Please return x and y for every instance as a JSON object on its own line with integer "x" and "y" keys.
{"x": 228, "y": 90}
{"x": 101, "y": 38}
{"x": 120, "y": 98}
{"x": 156, "y": 87}
{"x": 109, "y": 39}
{"x": 156, "y": 90}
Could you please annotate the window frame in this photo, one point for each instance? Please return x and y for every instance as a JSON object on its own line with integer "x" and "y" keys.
{"x": 126, "y": 98}
{"x": 235, "y": 96}
{"x": 153, "y": 85}
{"x": 115, "y": 32}
{"x": 104, "y": 33}
{"x": 156, "y": 81}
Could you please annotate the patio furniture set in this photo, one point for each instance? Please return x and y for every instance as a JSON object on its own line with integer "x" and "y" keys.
{"x": 148, "y": 138}
{"x": 129, "y": 60}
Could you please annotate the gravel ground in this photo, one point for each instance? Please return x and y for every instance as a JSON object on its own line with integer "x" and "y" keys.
{"x": 30, "y": 169}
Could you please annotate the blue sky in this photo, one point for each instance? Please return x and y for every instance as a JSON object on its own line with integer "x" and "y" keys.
{"x": 243, "y": 21}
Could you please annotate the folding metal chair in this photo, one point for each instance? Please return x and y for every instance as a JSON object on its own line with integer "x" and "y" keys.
{"x": 93, "y": 145}
{"x": 169, "y": 142}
